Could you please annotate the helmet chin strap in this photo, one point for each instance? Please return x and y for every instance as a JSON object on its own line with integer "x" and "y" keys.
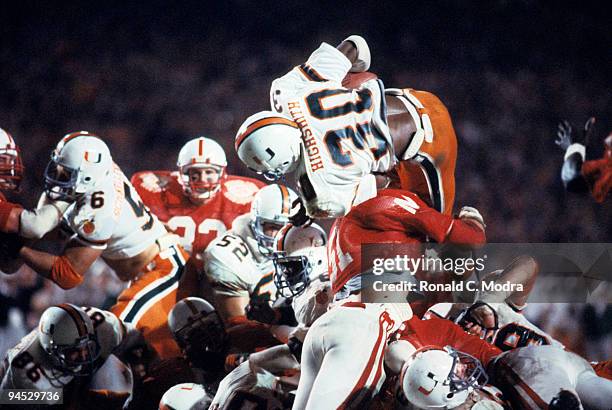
{"x": 201, "y": 200}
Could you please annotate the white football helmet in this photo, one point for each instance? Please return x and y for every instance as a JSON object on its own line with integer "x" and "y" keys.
{"x": 207, "y": 156}
{"x": 67, "y": 334}
{"x": 270, "y": 212}
{"x": 197, "y": 329}
{"x": 11, "y": 167}
{"x": 78, "y": 164}
{"x": 185, "y": 396}
{"x": 300, "y": 256}
{"x": 441, "y": 378}
{"x": 269, "y": 144}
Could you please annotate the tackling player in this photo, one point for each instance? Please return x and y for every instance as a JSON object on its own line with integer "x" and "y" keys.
{"x": 335, "y": 138}
{"x": 300, "y": 274}
{"x": 331, "y": 350}
{"x": 239, "y": 264}
{"x": 73, "y": 351}
{"x": 13, "y": 218}
{"x": 498, "y": 317}
{"x": 108, "y": 219}
{"x": 200, "y": 200}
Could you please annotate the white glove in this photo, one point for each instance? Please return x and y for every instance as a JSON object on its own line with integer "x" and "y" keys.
{"x": 467, "y": 212}
{"x": 362, "y": 62}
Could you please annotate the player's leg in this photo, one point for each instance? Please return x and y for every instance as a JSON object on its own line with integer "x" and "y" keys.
{"x": 351, "y": 371}
{"x": 149, "y": 299}
{"x": 595, "y": 392}
{"x": 310, "y": 363}
{"x": 529, "y": 379}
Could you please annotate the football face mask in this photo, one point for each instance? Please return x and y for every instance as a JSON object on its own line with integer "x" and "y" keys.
{"x": 292, "y": 274}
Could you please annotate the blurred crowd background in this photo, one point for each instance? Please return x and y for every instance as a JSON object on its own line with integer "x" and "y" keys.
{"x": 147, "y": 78}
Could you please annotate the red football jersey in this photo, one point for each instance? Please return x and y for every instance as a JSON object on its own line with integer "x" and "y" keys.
{"x": 438, "y": 333}
{"x": 393, "y": 216}
{"x": 197, "y": 225}
{"x": 6, "y": 208}
{"x": 599, "y": 175}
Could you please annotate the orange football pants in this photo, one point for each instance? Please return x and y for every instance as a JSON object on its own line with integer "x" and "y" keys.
{"x": 431, "y": 173}
{"x": 150, "y": 297}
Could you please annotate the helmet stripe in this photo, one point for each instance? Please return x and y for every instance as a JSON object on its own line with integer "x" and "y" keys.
{"x": 282, "y": 234}
{"x": 191, "y": 306}
{"x": 264, "y": 122}
{"x": 74, "y": 135}
{"x": 285, "y": 196}
{"x": 201, "y": 147}
{"x": 78, "y": 320}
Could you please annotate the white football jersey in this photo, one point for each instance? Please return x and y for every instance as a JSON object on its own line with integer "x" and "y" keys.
{"x": 113, "y": 218}
{"x": 344, "y": 132}
{"x": 28, "y": 366}
{"x": 513, "y": 326}
{"x": 313, "y": 302}
{"x": 244, "y": 388}
{"x": 235, "y": 266}
{"x": 543, "y": 371}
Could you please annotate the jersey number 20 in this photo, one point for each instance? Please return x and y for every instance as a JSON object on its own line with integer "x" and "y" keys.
{"x": 363, "y": 135}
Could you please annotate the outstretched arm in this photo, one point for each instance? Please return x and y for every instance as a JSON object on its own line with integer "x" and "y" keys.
{"x": 66, "y": 270}
{"x": 575, "y": 152}
{"x": 400, "y": 210}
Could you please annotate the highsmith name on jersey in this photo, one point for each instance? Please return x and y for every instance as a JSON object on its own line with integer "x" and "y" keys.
{"x": 344, "y": 132}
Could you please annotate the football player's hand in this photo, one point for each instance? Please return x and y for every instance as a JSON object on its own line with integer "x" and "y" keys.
{"x": 482, "y": 322}
{"x": 468, "y": 213}
{"x": 139, "y": 358}
{"x": 261, "y": 311}
{"x": 564, "y": 135}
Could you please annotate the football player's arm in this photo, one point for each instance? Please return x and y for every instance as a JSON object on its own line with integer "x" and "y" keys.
{"x": 453, "y": 335}
{"x": 571, "y": 171}
{"x": 34, "y": 224}
{"x": 574, "y": 157}
{"x": 231, "y": 293}
{"x": 403, "y": 210}
{"x": 9, "y": 216}
{"x": 522, "y": 270}
{"x": 66, "y": 270}
{"x": 275, "y": 359}
{"x": 230, "y": 307}
{"x": 600, "y": 172}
